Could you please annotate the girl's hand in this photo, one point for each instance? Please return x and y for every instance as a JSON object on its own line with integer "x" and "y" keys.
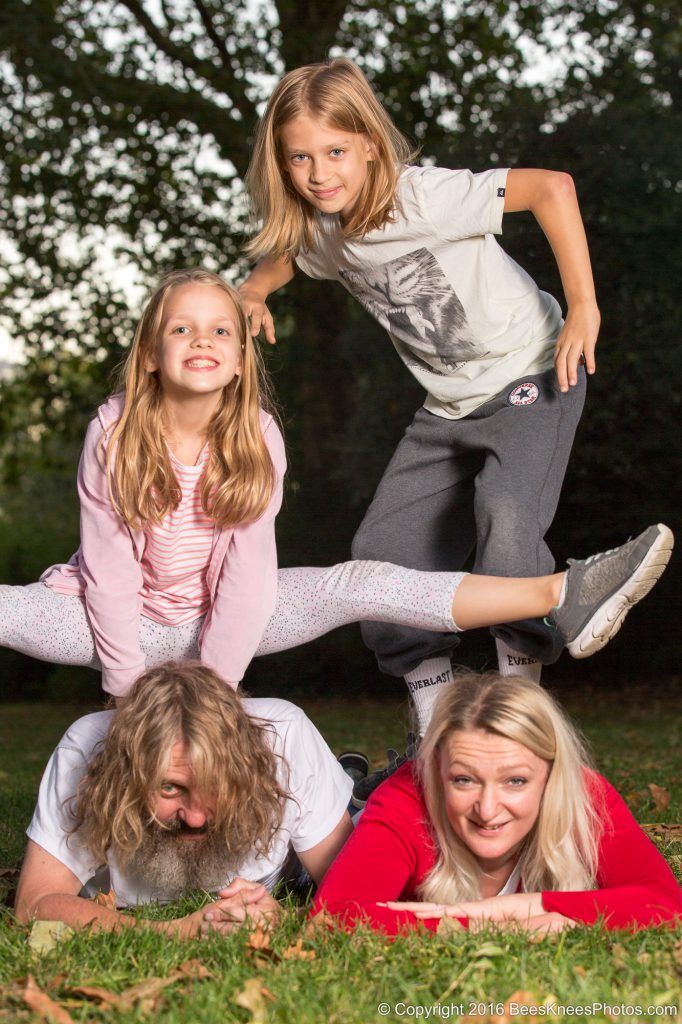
{"x": 259, "y": 315}
{"x": 578, "y": 338}
{"x": 518, "y": 906}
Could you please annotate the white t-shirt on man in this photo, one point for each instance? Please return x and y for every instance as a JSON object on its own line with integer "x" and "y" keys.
{"x": 463, "y": 316}
{"x": 318, "y": 786}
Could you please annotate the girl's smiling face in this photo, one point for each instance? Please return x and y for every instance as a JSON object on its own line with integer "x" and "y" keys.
{"x": 493, "y": 789}
{"x": 199, "y": 350}
{"x": 326, "y": 165}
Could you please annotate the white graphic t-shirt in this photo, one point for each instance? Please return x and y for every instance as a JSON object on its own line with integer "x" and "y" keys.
{"x": 318, "y": 786}
{"x": 463, "y": 316}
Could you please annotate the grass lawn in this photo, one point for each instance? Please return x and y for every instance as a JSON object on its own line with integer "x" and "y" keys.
{"x": 321, "y": 976}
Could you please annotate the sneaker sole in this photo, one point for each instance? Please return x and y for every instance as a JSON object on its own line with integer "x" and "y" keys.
{"x": 610, "y": 615}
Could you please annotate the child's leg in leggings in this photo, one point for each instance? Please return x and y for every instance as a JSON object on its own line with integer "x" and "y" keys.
{"x": 38, "y": 621}
{"x": 313, "y": 601}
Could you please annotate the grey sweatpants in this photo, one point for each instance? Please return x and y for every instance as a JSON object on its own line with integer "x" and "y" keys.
{"x": 490, "y": 481}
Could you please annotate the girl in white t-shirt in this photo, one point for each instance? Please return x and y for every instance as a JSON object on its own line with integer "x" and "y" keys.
{"x": 180, "y": 481}
{"x": 482, "y": 464}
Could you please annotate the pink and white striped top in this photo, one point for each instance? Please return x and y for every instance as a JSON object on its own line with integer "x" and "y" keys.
{"x": 177, "y": 554}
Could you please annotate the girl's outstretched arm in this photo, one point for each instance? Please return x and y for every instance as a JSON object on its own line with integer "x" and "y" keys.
{"x": 551, "y": 198}
{"x": 266, "y": 277}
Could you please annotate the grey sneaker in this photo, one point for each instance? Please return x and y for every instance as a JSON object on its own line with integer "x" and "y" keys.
{"x": 354, "y": 764}
{"x": 363, "y": 788}
{"x": 601, "y": 590}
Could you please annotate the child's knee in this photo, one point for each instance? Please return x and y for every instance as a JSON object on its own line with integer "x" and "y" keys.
{"x": 510, "y": 540}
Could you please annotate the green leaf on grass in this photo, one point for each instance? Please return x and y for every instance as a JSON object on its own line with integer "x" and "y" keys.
{"x": 46, "y": 935}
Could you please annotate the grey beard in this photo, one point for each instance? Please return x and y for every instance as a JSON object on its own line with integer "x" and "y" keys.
{"x": 169, "y": 865}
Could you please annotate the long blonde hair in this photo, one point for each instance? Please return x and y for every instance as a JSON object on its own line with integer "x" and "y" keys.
{"x": 233, "y": 764}
{"x": 560, "y": 852}
{"x": 337, "y": 92}
{"x": 239, "y": 475}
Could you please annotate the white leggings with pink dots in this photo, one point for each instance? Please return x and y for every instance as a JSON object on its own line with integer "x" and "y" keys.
{"x": 37, "y": 621}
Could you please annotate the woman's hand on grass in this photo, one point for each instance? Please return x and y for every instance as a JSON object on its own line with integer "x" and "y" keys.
{"x": 518, "y": 906}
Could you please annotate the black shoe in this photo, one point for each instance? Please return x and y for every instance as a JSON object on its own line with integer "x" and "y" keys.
{"x": 354, "y": 764}
{"x": 363, "y": 788}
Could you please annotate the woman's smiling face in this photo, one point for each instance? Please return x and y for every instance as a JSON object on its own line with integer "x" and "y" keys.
{"x": 493, "y": 789}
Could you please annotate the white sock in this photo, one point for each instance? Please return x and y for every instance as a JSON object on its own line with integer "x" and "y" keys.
{"x": 562, "y": 595}
{"x": 425, "y": 683}
{"x": 513, "y": 663}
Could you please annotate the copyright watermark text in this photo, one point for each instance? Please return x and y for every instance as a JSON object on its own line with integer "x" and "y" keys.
{"x": 450, "y": 1011}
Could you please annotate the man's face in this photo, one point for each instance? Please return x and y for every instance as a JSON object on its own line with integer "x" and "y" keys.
{"x": 178, "y": 803}
{"x": 180, "y": 851}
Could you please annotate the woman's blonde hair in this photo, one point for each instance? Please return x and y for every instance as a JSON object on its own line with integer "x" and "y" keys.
{"x": 239, "y": 475}
{"x": 560, "y": 852}
{"x": 233, "y": 764}
{"x": 336, "y": 92}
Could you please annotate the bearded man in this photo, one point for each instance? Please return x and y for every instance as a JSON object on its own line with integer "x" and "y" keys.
{"x": 185, "y": 786}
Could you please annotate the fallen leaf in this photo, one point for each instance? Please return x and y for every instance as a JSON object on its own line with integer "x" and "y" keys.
{"x": 259, "y": 938}
{"x": 580, "y": 971}
{"x": 145, "y": 992}
{"x": 297, "y": 952}
{"x": 490, "y": 949}
{"x": 195, "y": 970}
{"x": 520, "y": 998}
{"x": 106, "y": 899}
{"x": 660, "y": 830}
{"x": 46, "y": 935}
{"x": 268, "y": 994}
{"x": 660, "y": 796}
{"x": 102, "y": 996}
{"x": 251, "y": 998}
{"x": 321, "y": 921}
{"x": 644, "y": 958}
{"x": 40, "y": 1003}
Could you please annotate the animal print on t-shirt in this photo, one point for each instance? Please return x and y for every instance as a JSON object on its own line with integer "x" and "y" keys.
{"x": 411, "y": 297}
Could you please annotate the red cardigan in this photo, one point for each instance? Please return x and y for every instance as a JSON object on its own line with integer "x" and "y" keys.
{"x": 392, "y": 850}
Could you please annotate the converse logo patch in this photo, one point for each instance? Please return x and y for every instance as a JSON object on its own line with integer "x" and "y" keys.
{"x": 523, "y": 394}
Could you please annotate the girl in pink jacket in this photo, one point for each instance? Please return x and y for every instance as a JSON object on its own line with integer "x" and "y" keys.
{"x": 180, "y": 481}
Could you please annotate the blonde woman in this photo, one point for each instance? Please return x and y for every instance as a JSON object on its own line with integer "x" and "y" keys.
{"x": 502, "y": 819}
{"x": 180, "y": 481}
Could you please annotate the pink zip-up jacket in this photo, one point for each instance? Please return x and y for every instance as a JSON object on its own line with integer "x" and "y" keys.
{"x": 106, "y": 571}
